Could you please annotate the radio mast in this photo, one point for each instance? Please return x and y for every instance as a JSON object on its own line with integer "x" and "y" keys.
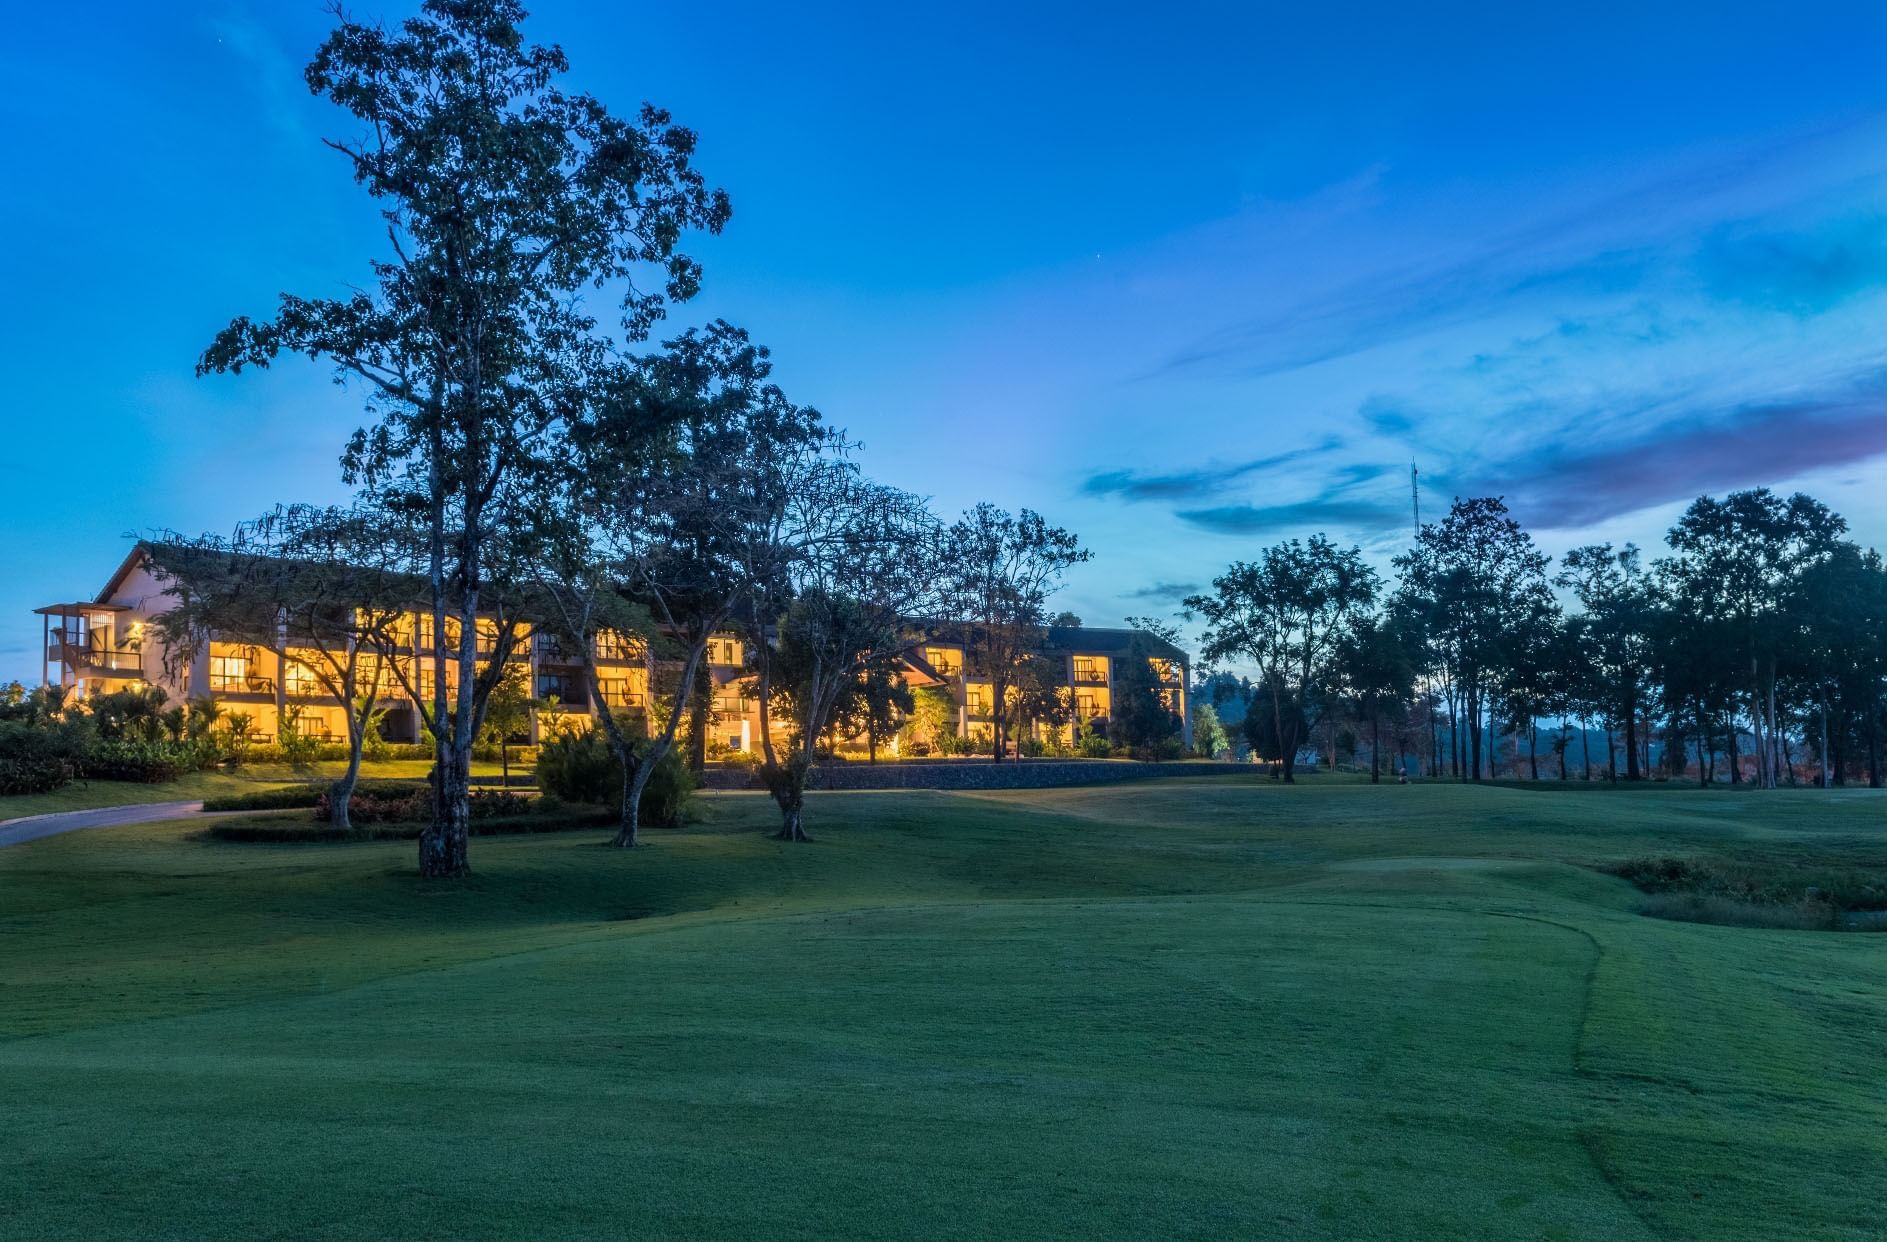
{"x": 1415, "y": 499}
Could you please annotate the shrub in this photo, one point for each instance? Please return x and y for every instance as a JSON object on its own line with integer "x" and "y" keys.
{"x": 150, "y": 763}
{"x": 31, "y": 774}
{"x": 396, "y": 802}
{"x": 1753, "y": 892}
{"x": 1091, "y": 745}
{"x": 40, "y": 756}
{"x": 578, "y": 767}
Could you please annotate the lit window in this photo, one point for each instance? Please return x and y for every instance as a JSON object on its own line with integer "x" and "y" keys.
{"x": 301, "y": 679}
{"x": 228, "y": 674}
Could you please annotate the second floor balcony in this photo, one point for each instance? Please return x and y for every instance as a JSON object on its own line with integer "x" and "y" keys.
{"x": 78, "y": 650}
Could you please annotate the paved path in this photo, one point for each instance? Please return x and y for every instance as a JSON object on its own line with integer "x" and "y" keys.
{"x": 32, "y": 827}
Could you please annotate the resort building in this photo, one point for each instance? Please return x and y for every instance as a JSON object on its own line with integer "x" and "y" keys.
{"x": 112, "y": 642}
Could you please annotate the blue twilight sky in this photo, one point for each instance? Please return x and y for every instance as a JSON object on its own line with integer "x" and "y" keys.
{"x": 1187, "y": 279}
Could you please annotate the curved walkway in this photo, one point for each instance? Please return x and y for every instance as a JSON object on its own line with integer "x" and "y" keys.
{"x": 32, "y": 827}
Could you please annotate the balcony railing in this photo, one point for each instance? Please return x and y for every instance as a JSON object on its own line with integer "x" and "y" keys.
{"x": 248, "y": 684}
{"x": 79, "y": 650}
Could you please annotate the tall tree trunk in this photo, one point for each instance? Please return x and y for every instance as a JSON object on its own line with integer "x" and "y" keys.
{"x": 789, "y": 793}
{"x": 636, "y": 770}
{"x": 1631, "y": 742}
{"x": 1826, "y": 780}
{"x": 1474, "y": 735}
{"x": 700, "y": 718}
{"x": 1533, "y": 749}
{"x": 1585, "y": 742}
{"x": 444, "y": 844}
{"x": 341, "y": 792}
{"x": 1873, "y": 746}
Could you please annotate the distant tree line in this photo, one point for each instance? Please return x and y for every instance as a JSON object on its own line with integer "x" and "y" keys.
{"x": 1754, "y": 651}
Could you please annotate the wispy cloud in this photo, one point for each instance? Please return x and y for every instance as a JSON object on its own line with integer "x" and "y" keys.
{"x": 1756, "y": 445}
{"x": 1708, "y": 224}
{"x": 1349, "y": 516}
{"x": 1132, "y": 485}
{"x": 1171, "y": 592}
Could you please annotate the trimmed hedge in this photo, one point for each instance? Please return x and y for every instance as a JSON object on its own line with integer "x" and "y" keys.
{"x": 149, "y": 763}
{"x": 294, "y": 830}
{"x": 413, "y": 805}
{"x": 307, "y": 797}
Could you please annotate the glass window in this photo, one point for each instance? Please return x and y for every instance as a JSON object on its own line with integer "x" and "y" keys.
{"x": 228, "y": 674}
{"x": 300, "y": 679}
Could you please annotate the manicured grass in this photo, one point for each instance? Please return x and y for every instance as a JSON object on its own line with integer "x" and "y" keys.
{"x": 1210, "y": 1008}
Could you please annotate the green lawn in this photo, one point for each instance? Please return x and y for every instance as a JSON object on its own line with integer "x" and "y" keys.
{"x": 1198, "y": 1008}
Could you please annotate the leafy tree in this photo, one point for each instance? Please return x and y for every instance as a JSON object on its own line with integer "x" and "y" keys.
{"x": 875, "y": 708}
{"x": 1613, "y": 632}
{"x": 685, "y": 463}
{"x": 1143, "y": 721}
{"x": 1286, "y": 612}
{"x": 1376, "y": 668}
{"x": 1837, "y": 651}
{"x": 1273, "y": 720}
{"x": 1209, "y": 738}
{"x": 834, "y": 566}
{"x": 505, "y": 199}
{"x": 508, "y": 713}
{"x": 931, "y": 718}
{"x": 1476, "y": 586}
{"x": 1736, "y": 564}
{"x": 1001, "y": 569}
{"x": 1041, "y": 696}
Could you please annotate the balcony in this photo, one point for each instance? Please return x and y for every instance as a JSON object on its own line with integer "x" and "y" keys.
{"x": 77, "y": 650}
{"x": 248, "y": 685}
{"x": 1090, "y": 672}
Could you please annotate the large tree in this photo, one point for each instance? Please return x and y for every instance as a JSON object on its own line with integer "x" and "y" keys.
{"x": 836, "y": 583}
{"x": 505, "y": 200}
{"x": 1000, "y": 571}
{"x": 679, "y": 465}
{"x": 1377, "y": 667}
{"x": 1476, "y": 584}
{"x": 1736, "y": 564}
{"x": 1286, "y": 612}
{"x": 1613, "y": 632}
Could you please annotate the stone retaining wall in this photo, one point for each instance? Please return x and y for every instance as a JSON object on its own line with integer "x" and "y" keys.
{"x": 974, "y": 774}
